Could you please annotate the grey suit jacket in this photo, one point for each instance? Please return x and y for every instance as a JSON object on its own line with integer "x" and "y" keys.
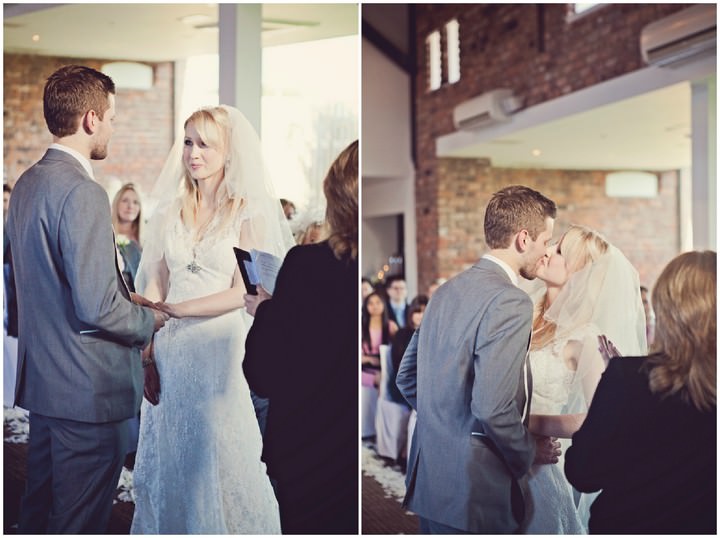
{"x": 463, "y": 373}
{"x": 79, "y": 334}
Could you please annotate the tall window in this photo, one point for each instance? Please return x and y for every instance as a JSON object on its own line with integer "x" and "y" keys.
{"x": 577, "y": 11}
{"x": 434, "y": 60}
{"x": 452, "y": 33}
{"x": 580, "y": 8}
{"x": 309, "y": 111}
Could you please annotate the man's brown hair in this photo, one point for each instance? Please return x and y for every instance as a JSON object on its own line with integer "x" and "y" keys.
{"x": 70, "y": 92}
{"x": 513, "y": 209}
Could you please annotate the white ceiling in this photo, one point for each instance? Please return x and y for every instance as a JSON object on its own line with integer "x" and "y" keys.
{"x": 647, "y": 132}
{"x": 156, "y": 32}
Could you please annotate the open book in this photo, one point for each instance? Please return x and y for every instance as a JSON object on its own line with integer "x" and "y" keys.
{"x": 258, "y": 267}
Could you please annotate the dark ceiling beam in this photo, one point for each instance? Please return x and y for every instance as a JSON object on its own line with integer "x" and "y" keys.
{"x": 395, "y": 55}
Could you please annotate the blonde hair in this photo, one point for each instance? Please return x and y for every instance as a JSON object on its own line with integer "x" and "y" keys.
{"x": 213, "y": 126}
{"x": 685, "y": 346}
{"x": 341, "y": 192}
{"x": 579, "y": 246}
{"x": 116, "y": 202}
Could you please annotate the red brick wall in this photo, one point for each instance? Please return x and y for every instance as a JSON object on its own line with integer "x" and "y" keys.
{"x": 644, "y": 229}
{"x": 143, "y": 125}
{"x": 499, "y": 47}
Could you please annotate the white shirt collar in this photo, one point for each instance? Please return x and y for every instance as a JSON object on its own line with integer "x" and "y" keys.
{"x": 512, "y": 274}
{"x": 80, "y": 157}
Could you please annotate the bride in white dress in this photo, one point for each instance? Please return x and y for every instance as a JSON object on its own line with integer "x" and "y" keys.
{"x": 198, "y": 467}
{"x": 590, "y": 289}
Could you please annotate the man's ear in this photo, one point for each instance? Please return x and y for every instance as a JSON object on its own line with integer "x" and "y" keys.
{"x": 90, "y": 121}
{"x": 521, "y": 240}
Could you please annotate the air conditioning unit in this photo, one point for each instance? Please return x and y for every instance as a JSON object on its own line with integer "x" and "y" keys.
{"x": 687, "y": 35}
{"x": 486, "y": 109}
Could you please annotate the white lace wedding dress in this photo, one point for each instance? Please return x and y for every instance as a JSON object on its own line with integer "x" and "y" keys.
{"x": 551, "y": 506}
{"x": 198, "y": 467}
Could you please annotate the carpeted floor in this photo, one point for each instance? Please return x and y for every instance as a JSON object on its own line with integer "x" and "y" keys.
{"x": 382, "y": 492}
{"x": 383, "y": 488}
{"x": 14, "y": 473}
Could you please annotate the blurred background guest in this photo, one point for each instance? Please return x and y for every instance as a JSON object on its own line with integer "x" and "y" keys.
{"x": 396, "y": 289}
{"x": 649, "y": 441}
{"x": 288, "y": 208}
{"x": 310, "y": 377}
{"x": 366, "y": 287}
{"x": 377, "y": 330}
{"x": 126, "y": 218}
{"x": 401, "y": 340}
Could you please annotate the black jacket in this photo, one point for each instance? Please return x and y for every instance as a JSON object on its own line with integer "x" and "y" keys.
{"x": 654, "y": 458}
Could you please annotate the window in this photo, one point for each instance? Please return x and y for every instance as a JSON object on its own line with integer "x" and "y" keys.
{"x": 452, "y": 33}
{"x": 581, "y": 8}
{"x": 434, "y": 60}
{"x": 577, "y": 11}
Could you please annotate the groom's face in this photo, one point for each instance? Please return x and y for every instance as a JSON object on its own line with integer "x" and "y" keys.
{"x": 535, "y": 250}
{"x": 104, "y": 131}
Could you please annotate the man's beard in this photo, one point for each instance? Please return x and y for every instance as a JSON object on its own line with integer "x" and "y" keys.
{"x": 529, "y": 272}
{"x": 99, "y": 152}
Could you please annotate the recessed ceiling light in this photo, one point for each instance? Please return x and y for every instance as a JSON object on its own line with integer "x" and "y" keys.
{"x": 36, "y": 37}
{"x": 536, "y": 153}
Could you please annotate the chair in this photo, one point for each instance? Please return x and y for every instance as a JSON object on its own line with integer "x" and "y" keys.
{"x": 369, "y": 397}
{"x": 391, "y": 418}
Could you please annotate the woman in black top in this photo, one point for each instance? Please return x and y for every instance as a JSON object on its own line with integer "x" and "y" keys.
{"x": 301, "y": 353}
{"x": 649, "y": 439}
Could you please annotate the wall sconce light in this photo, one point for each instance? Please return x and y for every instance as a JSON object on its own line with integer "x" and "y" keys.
{"x": 130, "y": 75}
{"x": 631, "y": 185}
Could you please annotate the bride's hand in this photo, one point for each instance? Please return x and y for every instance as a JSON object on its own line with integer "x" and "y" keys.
{"x": 172, "y": 310}
{"x": 607, "y": 349}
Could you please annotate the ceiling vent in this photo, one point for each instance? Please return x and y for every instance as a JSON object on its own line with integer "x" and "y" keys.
{"x": 487, "y": 109}
{"x": 687, "y": 35}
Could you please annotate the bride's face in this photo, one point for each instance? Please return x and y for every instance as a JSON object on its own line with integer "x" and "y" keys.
{"x": 202, "y": 161}
{"x": 553, "y": 269}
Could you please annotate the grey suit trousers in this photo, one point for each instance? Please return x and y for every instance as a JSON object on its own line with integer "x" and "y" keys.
{"x": 86, "y": 461}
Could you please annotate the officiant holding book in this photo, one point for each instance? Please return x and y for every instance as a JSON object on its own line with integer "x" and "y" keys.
{"x": 301, "y": 353}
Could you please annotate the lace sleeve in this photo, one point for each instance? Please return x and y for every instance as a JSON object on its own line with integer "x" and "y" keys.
{"x": 265, "y": 229}
{"x": 153, "y": 276}
{"x": 589, "y": 367}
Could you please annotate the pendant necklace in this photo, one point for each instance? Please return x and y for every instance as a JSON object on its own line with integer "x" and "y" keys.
{"x": 193, "y": 267}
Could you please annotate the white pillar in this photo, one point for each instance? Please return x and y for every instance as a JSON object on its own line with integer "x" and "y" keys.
{"x": 704, "y": 188}
{"x": 240, "y": 50}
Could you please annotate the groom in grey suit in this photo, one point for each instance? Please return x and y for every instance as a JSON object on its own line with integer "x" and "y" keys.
{"x": 464, "y": 372}
{"x": 80, "y": 330}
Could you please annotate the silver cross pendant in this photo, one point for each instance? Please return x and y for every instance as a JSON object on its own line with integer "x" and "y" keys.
{"x": 193, "y": 267}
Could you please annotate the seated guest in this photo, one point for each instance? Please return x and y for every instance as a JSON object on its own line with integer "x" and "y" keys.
{"x": 401, "y": 340}
{"x": 649, "y": 439}
{"x": 396, "y": 290}
{"x": 377, "y": 330}
{"x": 310, "y": 444}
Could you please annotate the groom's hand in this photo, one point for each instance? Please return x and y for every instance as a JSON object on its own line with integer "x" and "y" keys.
{"x": 547, "y": 450}
{"x": 140, "y": 300}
